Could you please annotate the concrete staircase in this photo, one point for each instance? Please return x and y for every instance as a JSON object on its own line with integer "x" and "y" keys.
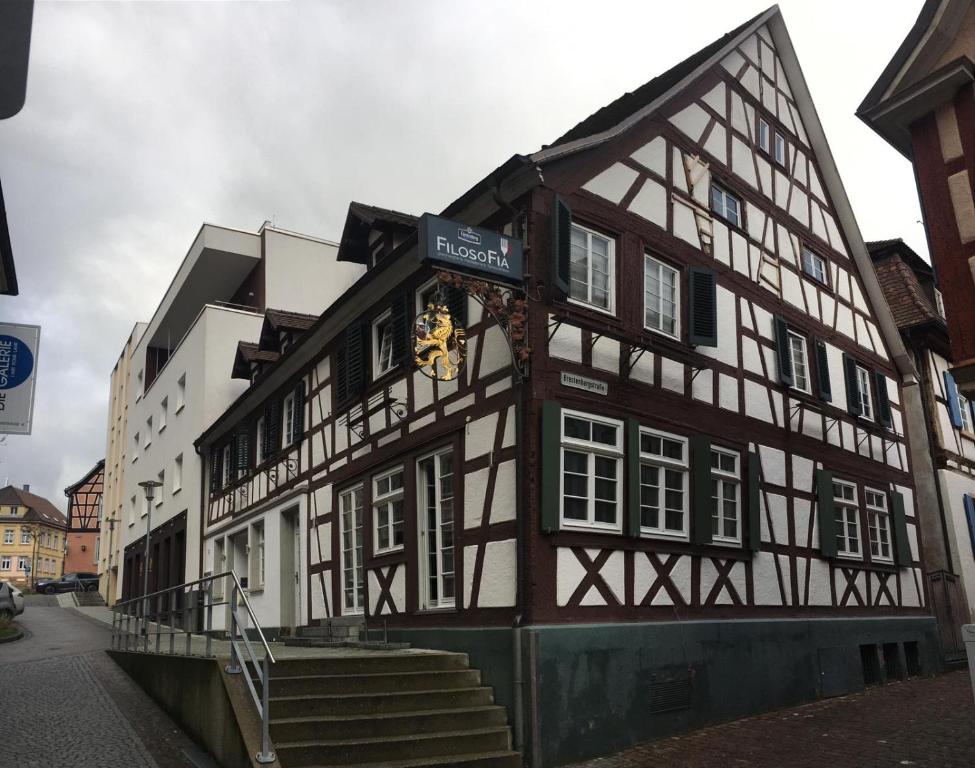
{"x": 342, "y": 631}
{"x": 396, "y": 710}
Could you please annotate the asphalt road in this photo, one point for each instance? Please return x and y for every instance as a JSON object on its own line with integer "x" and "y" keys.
{"x": 67, "y": 705}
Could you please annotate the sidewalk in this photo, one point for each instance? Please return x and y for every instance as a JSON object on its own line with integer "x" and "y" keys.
{"x": 923, "y": 722}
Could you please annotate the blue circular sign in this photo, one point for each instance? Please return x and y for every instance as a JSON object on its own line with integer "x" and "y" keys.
{"x": 16, "y": 362}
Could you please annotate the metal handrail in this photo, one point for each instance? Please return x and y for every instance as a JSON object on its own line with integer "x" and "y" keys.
{"x": 138, "y": 607}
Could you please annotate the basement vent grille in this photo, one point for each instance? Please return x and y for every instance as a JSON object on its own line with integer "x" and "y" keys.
{"x": 670, "y": 695}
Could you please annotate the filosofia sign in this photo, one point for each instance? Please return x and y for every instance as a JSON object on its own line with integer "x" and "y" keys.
{"x": 18, "y": 368}
{"x": 480, "y": 252}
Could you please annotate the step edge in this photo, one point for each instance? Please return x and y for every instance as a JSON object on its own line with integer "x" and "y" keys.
{"x": 383, "y": 715}
{"x": 346, "y": 696}
{"x": 279, "y": 745}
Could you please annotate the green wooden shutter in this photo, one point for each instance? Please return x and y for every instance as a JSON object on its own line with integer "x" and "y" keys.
{"x": 701, "y": 489}
{"x": 561, "y": 245}
{"x": 272, "y": 428}
{"x": 853, "y": 405}
{"x": 214, "y": 469}
{"x": 826, "y": 513}
{"x": 400, "y": 326}
{"x": 902, "y": 547}
{"x": 456, "y": 301}
{"x": 339, "y": 380}
{"x": 551, "y": 459}
{"x": 633, "y": 477}
{"x": 883, "y": 402}
{"x": 822, "y": 372}
{"x": 782, "y": 352}
{"x": 242, "y": 449}
{"x": 703, "y": 308}
{"x": 299, "y": 412}
{"x": 754, "y": 509}
{"x": 355, "y": 359}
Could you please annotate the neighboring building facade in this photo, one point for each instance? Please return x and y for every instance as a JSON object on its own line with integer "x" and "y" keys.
{"x": 923, "y": 105}
{"x": 110, "y": 552}
{"x": 32, "y": 537}
{"x": 81, "y": 550}
{"x": 698, "y": 503}
{"x": 914, "y": 298}
{"x": 179, "y": 382}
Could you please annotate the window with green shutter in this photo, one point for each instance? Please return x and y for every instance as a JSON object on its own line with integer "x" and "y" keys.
{"x": 902, "y": 546}
{"x": 783, "y": 354}
{"x": 822, "y": 372}
{"x": 703, "y": 307}
{"x": 753, "y": 504}
{"x": 701, "y": 489}
{"x": 550, "y": 480}
{"x": 853, "y": 401}
{"x": 561, "y": 246}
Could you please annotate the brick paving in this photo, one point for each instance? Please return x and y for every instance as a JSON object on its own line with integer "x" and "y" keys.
{"x": 926, "y": 723}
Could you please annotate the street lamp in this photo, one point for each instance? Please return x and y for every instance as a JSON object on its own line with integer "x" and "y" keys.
{"x": 149, "y": 486}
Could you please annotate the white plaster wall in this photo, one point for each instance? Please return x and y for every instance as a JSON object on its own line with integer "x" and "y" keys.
{"x": 953, "y": 487}
{"x": 302, "y": 275}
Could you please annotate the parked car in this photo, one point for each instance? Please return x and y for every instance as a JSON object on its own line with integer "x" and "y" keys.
{"x": 70, "y": 582}
{"x": 11, "y": 600}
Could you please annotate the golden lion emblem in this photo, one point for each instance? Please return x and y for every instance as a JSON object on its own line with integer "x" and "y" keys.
{"x": 439, "y": 347}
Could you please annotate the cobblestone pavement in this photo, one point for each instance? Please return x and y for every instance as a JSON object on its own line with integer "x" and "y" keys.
{"x": 67, "y": 705}
{"x": 926, "y": 723}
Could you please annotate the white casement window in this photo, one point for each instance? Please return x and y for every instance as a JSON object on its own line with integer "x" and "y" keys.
{"x": 592, "y": 269}
{"x": 387, "y": 510}
{"x": 863, "y": 391}
{"x": 814, "y": 265}
{"x": 24, "y": 536}
{"x": 878, "y": 525}
{"x": 180, "y": 393}
{"x": 259, "y": 443}
{"x": 780, "y": 150}
{"x": 135, "y": 449}
{"x": 257, "y": 561}
{"x": 288, "y": 420}
{"x": 939, "y": 303}
{"x": 353, "y": 586}
{"x": 725, "y": 204}
{"x": 148, "y": 432}
{"x": 592, "y": 462}
{"x": 964, "y": 409}
{"x": 178, "y": 473}
{"x": 382, "y": 345}
{"x": 8, "y": 536}
{"x": 763, "y": 135}
{"x": 161, "y": 490}
{"x": 847, "y": 519}
{"x": 163, "y": 411}
{"x": 21, "y": 563}
{"x": 725, "y": 496}
{"x": 226, "y": 466}
{"x": 663, "y": 484}
{"x": 132, "y": 504}
{"x": 661, "y": 297}
{"x": 5, "y": 563}
{"x": 800, "y": 362}
{"x": 426, "y": 294}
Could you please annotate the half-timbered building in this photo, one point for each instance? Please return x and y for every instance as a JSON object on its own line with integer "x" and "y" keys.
{"x": 81, "y": 550}
{"x": 672, "y": 483}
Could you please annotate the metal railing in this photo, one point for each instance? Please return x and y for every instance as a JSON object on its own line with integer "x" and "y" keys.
{"x": 178, "y": 611}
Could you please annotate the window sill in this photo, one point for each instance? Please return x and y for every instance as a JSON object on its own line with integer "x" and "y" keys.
{"x": 387, "y": 552}
{"x": 179, "y": 408}
{"x": 575, "y": 527}
{"x": 592, "y": 307}
{"x": 677, "y": 538}
{"x": 177, "y": 490}
{"x": 161, "y": 429}
{"x": 255, "y": 591}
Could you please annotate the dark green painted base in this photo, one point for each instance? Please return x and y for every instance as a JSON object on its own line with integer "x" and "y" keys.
{"x": 599, "y": 686}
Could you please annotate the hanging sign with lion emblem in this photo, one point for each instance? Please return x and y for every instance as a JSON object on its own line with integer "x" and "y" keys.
{"x": 439, "y": 346}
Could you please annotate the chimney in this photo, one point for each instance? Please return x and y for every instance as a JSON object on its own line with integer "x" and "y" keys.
{"x": 27, "y": 487}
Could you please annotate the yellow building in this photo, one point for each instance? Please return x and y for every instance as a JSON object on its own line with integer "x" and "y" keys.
{"x": 32, "y": 537}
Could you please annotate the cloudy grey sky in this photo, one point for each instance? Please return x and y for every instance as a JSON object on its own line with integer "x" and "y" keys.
{"x": 144, "y": 120}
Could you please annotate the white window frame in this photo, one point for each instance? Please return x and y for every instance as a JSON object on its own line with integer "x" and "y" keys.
{"x": 810, "y": 261}
{"x": 8, "y": 536}
{"x": 388, "y": 500}
{"x": 5, "y": 563}
{"x": 258, "y": 562}
{"x": 846, "y": 512}
{"x": 25, "y": 536}
{"x": 964, "y": 409}
{"x": 764, "y": 136}
{"x": 135, "y": 451}
{"x": 132, "y": 505}
{"x": 803, "y": 363}
{"x": 177, "y": 474}
{"x": 592, "y": 450}
{"x": 163, "y": 409}
{"x": 358, "y": 604}
{"x": 148, "y": 432}
{"x": 724, "y": 478}
{"x": 781, "y": 144}
{"x": 288, "y": 420}
{"x": 722, "y": 213}
{"x": 22, "y": 563}
{"x": 939, "y": 303}
{"x": 878, "y": 512}
{"x": 180, "y": 393}
{"x": 663, "y": 464}
{"x": 864, "y": 393}
{"x": 610, "y": 309}
{"x": 442, "y": 601}
{"x": 380, "y": 369}
{"x": 427, "y": 286}
{"x": 259, "y": 447}
{"x": 650, "y": 262}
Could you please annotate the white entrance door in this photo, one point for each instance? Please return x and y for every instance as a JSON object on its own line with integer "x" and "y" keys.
{"x": 297, "y": 568}
{"x": 353, "y": 576}
{"x": 436, "y": 518}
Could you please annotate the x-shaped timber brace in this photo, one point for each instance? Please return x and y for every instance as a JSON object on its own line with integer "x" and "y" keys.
{"x": 508, "y": 307}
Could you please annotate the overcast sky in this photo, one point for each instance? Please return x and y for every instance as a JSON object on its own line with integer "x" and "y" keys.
{"x": 144, "y": 120}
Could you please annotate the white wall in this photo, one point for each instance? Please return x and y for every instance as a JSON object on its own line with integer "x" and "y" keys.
{"x": 954, "y": 485}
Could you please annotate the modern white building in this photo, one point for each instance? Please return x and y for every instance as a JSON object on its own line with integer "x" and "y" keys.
{"x": 180, "y": 380}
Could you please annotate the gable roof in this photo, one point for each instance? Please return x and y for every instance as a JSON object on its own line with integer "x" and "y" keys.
{"x": 39, "y": 509}
{"x": 898, "y": 269}
{"x": 87, "y": 478}
{"x": 917, "y": 78}
{"x": 362, "y": 219}
{"x": 248, "y": 352}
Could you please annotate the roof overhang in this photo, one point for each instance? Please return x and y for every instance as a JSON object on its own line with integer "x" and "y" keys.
{"x": 8, "y": 273}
